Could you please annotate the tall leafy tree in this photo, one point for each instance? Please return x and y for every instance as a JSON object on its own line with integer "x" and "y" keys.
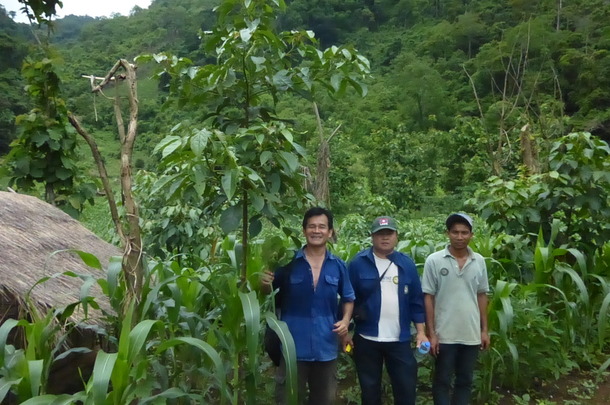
{"x": 238, "y": 159}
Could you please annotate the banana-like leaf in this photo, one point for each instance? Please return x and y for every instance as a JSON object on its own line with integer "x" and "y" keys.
{"x": 580, "y": 284}
{"x": 289, "y": 352}
{"x": 64, "y": 399}
{"x": 5, "y": 329}
{"x": 102, "y": 371}
{"x": 581, "y": 260}
{"x": 541, "y": 259}
{"x": 5, "y": 386}
{"x": 603, "y": 283}
{"x": 88, "y": 258}
{"x": 35, "y": 368}
{"x": 171, "y": 393}
{"x": 154, "y": 293}
{"x": 602, "y": 322}
{"x": 138, "y": 336}
{"x": 252, "y": 316}
{"x": 210, "y": 352}
{"x": 115, "y": 267}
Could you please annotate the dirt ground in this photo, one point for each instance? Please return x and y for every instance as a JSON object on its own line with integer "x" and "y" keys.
{"x": 574, "y": 389}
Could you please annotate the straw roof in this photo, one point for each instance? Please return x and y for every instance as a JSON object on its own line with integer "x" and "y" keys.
{"x": 30, "y": 232}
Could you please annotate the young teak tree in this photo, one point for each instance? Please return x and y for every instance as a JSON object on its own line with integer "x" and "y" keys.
{"x": 235, "y": 157}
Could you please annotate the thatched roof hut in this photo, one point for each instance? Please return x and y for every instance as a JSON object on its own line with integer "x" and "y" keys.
{"x": 30, "y": 232}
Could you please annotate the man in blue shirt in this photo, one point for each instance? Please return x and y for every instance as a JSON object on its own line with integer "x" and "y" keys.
{"x": 388, "y": 299}
{"x": 310, "y": 288}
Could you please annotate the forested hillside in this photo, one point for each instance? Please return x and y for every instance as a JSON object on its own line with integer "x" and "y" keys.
{"x": 202, "y": 130}
{"x": 460, "y": 90}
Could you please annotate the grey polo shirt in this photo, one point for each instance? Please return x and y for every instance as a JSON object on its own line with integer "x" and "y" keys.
{"x": 456, "y": 309}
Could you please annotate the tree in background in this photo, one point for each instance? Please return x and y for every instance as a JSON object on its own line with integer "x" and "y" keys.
{"x": 235, "y": 159}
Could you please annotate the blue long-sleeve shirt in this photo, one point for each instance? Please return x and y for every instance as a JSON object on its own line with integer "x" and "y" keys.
{"x": 364, "y": 277}
{"x": 311, "y": 313}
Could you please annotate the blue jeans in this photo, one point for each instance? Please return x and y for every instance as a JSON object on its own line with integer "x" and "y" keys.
{"x": 369, "y": 357}
{"x": 458, "y": 360}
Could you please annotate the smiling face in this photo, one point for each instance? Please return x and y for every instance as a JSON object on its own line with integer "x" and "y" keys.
{"x": 384, "y": 242}
{"x": 459, "y": 236}
{"x": 317, "y": 231}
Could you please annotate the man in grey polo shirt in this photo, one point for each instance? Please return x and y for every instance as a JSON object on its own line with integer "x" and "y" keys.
{"x": 455, "y": 290}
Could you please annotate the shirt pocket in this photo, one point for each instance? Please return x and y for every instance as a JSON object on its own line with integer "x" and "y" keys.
{"x": 296, "y": 278}
{"x": 332, "y": 280}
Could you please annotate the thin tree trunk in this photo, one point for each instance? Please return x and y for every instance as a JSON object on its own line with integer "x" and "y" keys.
{"x": 101, "y": 167}
{"x": 132, "y": 258}
{"x": 529, "y": 152}
{"x": 321, "y": 189}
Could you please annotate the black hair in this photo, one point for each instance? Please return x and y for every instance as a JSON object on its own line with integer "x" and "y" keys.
{"x": 314, "y": 212}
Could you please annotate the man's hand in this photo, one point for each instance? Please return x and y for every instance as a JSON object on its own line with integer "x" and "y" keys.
{"x": 485, "y": 340}
{"x": 347, "y": 344}
{"x": 421, "y": 338}
{"x": 267, "y": 281}
{"x": 341, "y": 328}
{"x": 435, "y": 346}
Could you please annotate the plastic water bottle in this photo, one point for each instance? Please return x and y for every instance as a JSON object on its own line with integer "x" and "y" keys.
{"x": 421, "y": 352}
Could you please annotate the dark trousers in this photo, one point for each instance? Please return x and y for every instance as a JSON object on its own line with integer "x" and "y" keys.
{"x": 370, "y": 356}
{"x": 454, "y": 360}
{"x": 319, "y": 376}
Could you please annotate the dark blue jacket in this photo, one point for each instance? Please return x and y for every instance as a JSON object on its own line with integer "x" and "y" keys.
{"x": 365, "y": 280}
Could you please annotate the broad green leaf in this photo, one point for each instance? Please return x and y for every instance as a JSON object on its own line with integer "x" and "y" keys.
{"x": 287, "y": 134}
{"x": 48, "y": 399}
{"x": 138, "y": 336}
{"x": 70, "y": 351}
{"x": 168, "y": 140}
{"x": 171, "y": 146}
{"x": 245, "y": 34}
{"x": 256, "y": 200}
{"x": 258, "y": 60}
{"x": 86, "y": 287}
{"x": 115, "y": 267}
{"x": 172, "y": 393}
{"x": 282, "y": 80}
{"x": 289, "y": 353}
{"x": 102, "y": 371}
{"x": 207, "y": 349}
{"x": 229, "y": 182}
{"x": 5, "y": 329}
{"x": 35, "y": 368}
{"x": 230, "y": 219}
{"x": 602, "y": 322}
{"x": 256, "y": 226}
{"x": 252, "y": 316}
{"x": 335, "y": 81}
{"x": 199, "y": 141}
{"x": 578, "y": 282}
{"x": 6, "y": 384}
{"x": 265, "y": 156}
{"x": 291, "y": 160}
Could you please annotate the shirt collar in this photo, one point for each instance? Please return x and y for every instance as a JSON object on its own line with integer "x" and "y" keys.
{"x": 470, "y": 252}
{"x": 301, "y": 254}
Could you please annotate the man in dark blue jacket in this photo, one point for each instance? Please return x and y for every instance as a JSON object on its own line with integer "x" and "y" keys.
{"x": 388, "y": 299}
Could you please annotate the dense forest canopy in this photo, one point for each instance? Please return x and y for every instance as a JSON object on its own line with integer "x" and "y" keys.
{"x": 456, "y": 85}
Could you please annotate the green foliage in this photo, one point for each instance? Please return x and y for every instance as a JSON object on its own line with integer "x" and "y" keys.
{"x": 240, "y": 163}
{"x": 575, "y": 190}
{"x": 46, "y": 151}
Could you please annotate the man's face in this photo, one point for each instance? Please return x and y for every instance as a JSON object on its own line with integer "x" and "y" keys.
{"x": 317, "y": 232}
{"x": 459, "y": 236}
{"x": 384, "y": 241}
